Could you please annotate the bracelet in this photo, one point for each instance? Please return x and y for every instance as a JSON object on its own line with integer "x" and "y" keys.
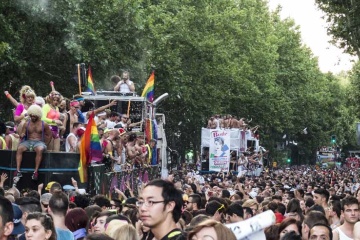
{"x": 8, "y": 95}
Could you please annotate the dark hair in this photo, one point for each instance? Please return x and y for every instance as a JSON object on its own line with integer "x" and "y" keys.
{"x": 6, "y": 210}
{"x": 317, "y": 208}
{"x": 291, "y": 236}
{"x": 214, "y": 206}
{"x": 118, "y": 217}
{"x": 45, "y": 220}
{"x": 248, "y": 211}
{"x": 323, "y": 192}
{"x": 75, "y": 219}
{"x": 235, "y": 208}
{"x": 315, "y": 217}
{"x": 272, "y": 232}
{"x": 55, "y": 187}
{"x": 301, "y": 192}
{"x": 225, "y": 193}
{"x": 281, "y": 208}
{"x": 336, "y": 207}
{"x": 98, "y": 236}
{"x": 323, "y": 225}
{"x": 309, "y": 202}
{"x": 294, "y": 207}
{"x": 277, "y": 197}
{"x": 196, "y": 198}
{"x": 169, "y": 193}
{"x": 59, "y": 203}
{"x": 29, "y": 204}
{"x": 348, "y": 201}
{"x": 102, "y": 201}
{"x": 34, "y": 194}
{"x": 272, "y": 206}
{"x": 131, "y": 213}
{"x": 81, "y": 200}
{"x": 287, "y": 222}
{"x": 186, "y": 216}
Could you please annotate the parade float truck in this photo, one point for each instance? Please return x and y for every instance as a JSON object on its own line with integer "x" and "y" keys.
{"x": 220, "y": 148}
{"x": 62, "y": 166}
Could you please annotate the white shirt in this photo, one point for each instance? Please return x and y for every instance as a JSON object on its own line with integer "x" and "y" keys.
{"x": 124, "y": 88}
{"x": 110, "y": 124}
{"x": 67, "y": 144}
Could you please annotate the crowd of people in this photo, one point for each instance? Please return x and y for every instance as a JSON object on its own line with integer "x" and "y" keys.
{"x": 307, "y": 203}
{"x": 56, "y": 123}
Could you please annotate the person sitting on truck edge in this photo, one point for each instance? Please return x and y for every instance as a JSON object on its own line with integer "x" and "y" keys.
{"x": 36, "y": 133}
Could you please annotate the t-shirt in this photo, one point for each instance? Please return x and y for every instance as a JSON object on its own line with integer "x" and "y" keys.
{"x": 124, "y": 88}
{"x": 175, "y": 234}
{"x": 63, "y": 234}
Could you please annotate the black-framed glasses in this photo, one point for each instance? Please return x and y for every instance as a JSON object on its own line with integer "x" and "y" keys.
{"x": 147, "y": 203}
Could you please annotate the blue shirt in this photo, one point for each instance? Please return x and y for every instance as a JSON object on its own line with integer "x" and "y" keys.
{"x": 64, "y": 234}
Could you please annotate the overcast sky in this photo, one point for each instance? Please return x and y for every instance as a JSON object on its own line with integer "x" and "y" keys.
{"x": 313, "y": 31}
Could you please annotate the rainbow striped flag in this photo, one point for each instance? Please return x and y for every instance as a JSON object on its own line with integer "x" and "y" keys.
{"x": 90, "y": 148}
{"x": 90, "y": 82}
{"x": 151, "y": 133}
{"x": 148, "y": 91}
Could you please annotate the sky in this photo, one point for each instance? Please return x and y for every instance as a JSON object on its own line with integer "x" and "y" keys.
{"x": 313, "y": 32}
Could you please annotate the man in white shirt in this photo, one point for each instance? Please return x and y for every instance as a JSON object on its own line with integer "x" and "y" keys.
{"x": 125, "y": 85}
{"x": 72, "y": 139}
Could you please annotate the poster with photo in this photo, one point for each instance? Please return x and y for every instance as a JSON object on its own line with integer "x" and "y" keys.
{"x": 219, "y": 159}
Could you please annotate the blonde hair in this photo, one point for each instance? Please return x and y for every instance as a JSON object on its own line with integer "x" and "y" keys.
{"x": 250, "y": 203}
{"x": 222, "y": 232}
{"x": 26, "y": 91}
{"x": 35, "y": 110}
{"x": 114, "y": 225}
{"x": 125, "y": 232}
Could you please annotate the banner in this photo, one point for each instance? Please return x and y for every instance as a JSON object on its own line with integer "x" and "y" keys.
{"x": 253, "y": 228}
{"x": 219, "y": 159}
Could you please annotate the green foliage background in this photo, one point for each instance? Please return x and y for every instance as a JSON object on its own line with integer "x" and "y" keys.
{"x": 225, "y": 56}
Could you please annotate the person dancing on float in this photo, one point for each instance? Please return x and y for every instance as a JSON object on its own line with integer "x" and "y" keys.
{"x": 51, "y": 115}
{"x": 27, "y": 98}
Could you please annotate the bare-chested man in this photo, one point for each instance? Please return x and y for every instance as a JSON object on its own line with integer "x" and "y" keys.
{"x": 37, "y": 134}
{"x": 233, "y": 123}
{"x": 212, "y": 123}
{"x": 133, "y": 151}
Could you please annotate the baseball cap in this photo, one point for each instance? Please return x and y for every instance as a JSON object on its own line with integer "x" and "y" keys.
{"x": 48, "y": 186}
{"x": 68, "y": 187}
{"x": 18, "y": 226}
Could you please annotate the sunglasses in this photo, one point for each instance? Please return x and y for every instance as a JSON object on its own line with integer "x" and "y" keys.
{"x": 45, "y": 205}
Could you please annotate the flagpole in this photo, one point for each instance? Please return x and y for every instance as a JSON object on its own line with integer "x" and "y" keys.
{"x": 79, "y": 80}
{"x": 128, "y": 110}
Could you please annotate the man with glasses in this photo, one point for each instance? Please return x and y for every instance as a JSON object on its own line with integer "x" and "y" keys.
{"x": 160, "y": 205}
{"x": 36, "y": 134}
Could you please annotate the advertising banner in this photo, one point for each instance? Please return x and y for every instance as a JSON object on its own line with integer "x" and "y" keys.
{"x": 219, "y": 159}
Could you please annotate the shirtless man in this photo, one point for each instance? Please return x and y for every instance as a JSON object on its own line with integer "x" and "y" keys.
{"x": 37, "y": 134}
{"x": 212, "y": 123}
{"x": 110, "y": 150}
{"x": 226, "y": 121}
{"x": 242, "y": 124}
{"x": 134, "y": 154}
{"x": 234, "y": 123}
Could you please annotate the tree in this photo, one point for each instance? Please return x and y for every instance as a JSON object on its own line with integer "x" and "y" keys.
{"x": 344, "y": 23}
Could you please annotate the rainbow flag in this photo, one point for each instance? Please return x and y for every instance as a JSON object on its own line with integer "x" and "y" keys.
{"x": 148, "y": 91}
{"x": 90, "y": 82}
{"x": 151, "y": 133}
{"x": 90, "y": 148}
